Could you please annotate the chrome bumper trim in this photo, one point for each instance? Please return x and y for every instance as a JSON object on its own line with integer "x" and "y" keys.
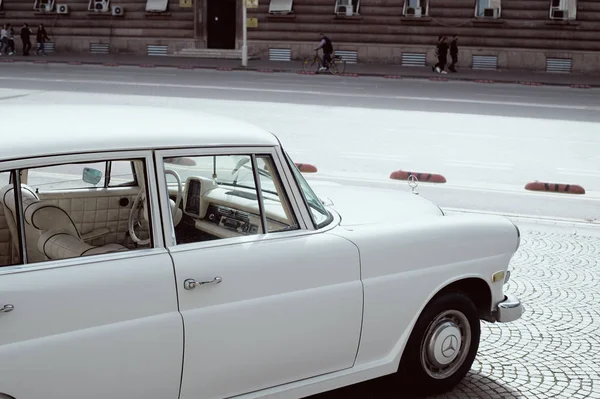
{"x": 510, "y": 309}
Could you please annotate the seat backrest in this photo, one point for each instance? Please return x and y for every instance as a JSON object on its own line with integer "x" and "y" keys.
{"x": 7, "y": 199}
{"x": 40, "y": 216}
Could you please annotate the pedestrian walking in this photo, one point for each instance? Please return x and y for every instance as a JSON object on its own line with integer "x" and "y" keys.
{"x": 3, "y": 39}
{"x": 8, "y": 36}
{"x": 454, "y": 53}
{"x": 442, "y": 55}
{"x": 41, "y": 38}
{"x": 26, "y": 38}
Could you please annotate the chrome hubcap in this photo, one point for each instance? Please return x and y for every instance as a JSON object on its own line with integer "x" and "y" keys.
{"x": 446, "y": 344}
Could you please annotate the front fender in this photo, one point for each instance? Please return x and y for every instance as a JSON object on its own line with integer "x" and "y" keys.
{"x": 403, "y": 266}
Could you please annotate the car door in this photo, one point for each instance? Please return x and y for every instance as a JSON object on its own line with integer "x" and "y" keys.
{"x": 260, "y": 308}
{"x": 98, "y": 326}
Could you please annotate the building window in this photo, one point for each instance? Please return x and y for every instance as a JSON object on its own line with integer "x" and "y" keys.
{"x": 416, "y": 8}
{"x": 488, "y": 8}
{"x": 157, "y": 5}
{"x": 280, "y": 6}
{"x": 347, "y": 7}
{"x": 563, "y": 9}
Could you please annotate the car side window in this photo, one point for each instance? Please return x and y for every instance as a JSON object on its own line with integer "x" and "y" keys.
{"x": 275, "y": 200}
{"x": 61, "y": 219}
{"x": 221, "y": 198}
{"x": 69, "y": 176}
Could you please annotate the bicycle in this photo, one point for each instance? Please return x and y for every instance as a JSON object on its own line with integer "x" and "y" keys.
{"x": 337, "y": 65}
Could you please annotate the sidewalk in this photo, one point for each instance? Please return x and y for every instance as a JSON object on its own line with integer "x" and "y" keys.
{"x": 356, "y": 70}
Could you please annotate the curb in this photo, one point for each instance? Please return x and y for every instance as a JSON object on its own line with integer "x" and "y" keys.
{"x": 426, "y": 177}
{"x": 306, "y": 168}
{"x": 555, "y": 187}
{"x": 379, "y": 75}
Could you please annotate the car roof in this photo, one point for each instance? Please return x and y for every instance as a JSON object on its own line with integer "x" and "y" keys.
{"x": 44, "y": 130}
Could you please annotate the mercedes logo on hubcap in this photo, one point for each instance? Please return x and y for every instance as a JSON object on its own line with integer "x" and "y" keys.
{"x": 449, "y": 346}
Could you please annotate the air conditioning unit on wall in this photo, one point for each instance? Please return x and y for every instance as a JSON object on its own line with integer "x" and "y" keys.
{"x": 118, "y": 11}
{"x": 100, "y": 5}
{"x": 414, "y": 12}
{"x": 62, "y": 9}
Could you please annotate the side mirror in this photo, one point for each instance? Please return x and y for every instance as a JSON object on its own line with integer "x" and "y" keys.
{"x": 92, "y": 176}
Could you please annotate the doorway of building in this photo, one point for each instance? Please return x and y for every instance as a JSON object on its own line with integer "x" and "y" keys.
{"x": 221, "y": 24}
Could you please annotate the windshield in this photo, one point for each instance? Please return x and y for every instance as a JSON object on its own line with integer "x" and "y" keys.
{"x": 321, "y": 217}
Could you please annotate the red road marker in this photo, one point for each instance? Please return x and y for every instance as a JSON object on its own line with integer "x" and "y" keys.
{"x": 580, "y": 86}
{"x": 484, "y": 81}
{"x": 306, "y": 168}
{"x": 531, "y": 83}
{"x": 426, "y": 177}
{"x": 393, "y": 77}
{"x": 555, "y": 187}
{"x": 224, "y": 69}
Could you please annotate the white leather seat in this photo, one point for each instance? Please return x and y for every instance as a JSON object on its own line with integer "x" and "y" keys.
{"x": 7, "y": 199}
{"x": 50, "y": 232}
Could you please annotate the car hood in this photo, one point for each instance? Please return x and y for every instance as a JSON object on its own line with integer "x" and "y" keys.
{"x": 365, "y": 205}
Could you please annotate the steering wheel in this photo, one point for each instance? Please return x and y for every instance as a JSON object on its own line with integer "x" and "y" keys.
{"x": 140, "y": 202}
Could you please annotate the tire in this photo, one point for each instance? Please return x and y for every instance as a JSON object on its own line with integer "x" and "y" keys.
{"x": 311, "y": 64}
{"x": 446, "y": 321}
{"x": 341, "y": 67}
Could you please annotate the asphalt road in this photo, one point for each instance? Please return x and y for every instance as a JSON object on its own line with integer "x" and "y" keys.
{"x": 487, "y": 140}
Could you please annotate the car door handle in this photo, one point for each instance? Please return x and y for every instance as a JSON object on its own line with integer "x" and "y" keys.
{"x": 190, "y": 283}
{"x": 7, "y": 309}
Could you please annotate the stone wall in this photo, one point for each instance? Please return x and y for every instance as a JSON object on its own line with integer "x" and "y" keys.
{"x": 522, "y": 37}
{"x": 129, "y": 33}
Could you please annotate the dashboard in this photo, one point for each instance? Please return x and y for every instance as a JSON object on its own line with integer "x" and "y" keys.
{"x": 226, "y": 211}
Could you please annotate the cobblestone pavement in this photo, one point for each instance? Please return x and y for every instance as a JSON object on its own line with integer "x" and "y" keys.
{"x": 553, "y": 350}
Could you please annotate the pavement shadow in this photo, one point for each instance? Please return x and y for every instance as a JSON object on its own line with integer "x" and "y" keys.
{"x": 474, "y": 385}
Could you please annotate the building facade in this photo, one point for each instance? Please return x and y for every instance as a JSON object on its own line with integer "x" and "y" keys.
{"x": 506, "y": 34}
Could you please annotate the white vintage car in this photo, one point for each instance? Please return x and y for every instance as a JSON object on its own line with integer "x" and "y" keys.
{"x": 174, "y": 255}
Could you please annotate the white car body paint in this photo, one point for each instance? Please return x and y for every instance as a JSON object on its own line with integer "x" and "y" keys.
{"x": 297, "y": 312}
{"x": 81, "y": 331}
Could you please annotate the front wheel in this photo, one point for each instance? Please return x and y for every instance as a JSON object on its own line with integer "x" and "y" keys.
{"x": 311, "y": 65}
{"x": 338, "y": 66}
{"x": 442, "y": 346}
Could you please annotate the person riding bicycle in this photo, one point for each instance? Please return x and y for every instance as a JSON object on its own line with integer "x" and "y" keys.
{"x": 327, "y": 47}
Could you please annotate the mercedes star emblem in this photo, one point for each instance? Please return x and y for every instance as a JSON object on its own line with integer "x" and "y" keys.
{"x": 449, "y": 346}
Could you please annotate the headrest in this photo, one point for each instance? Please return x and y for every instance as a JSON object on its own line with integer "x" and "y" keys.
{"x": 7, "y": 196}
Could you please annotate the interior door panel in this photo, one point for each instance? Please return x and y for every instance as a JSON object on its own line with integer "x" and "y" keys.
{"x": 93, "y": 210}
